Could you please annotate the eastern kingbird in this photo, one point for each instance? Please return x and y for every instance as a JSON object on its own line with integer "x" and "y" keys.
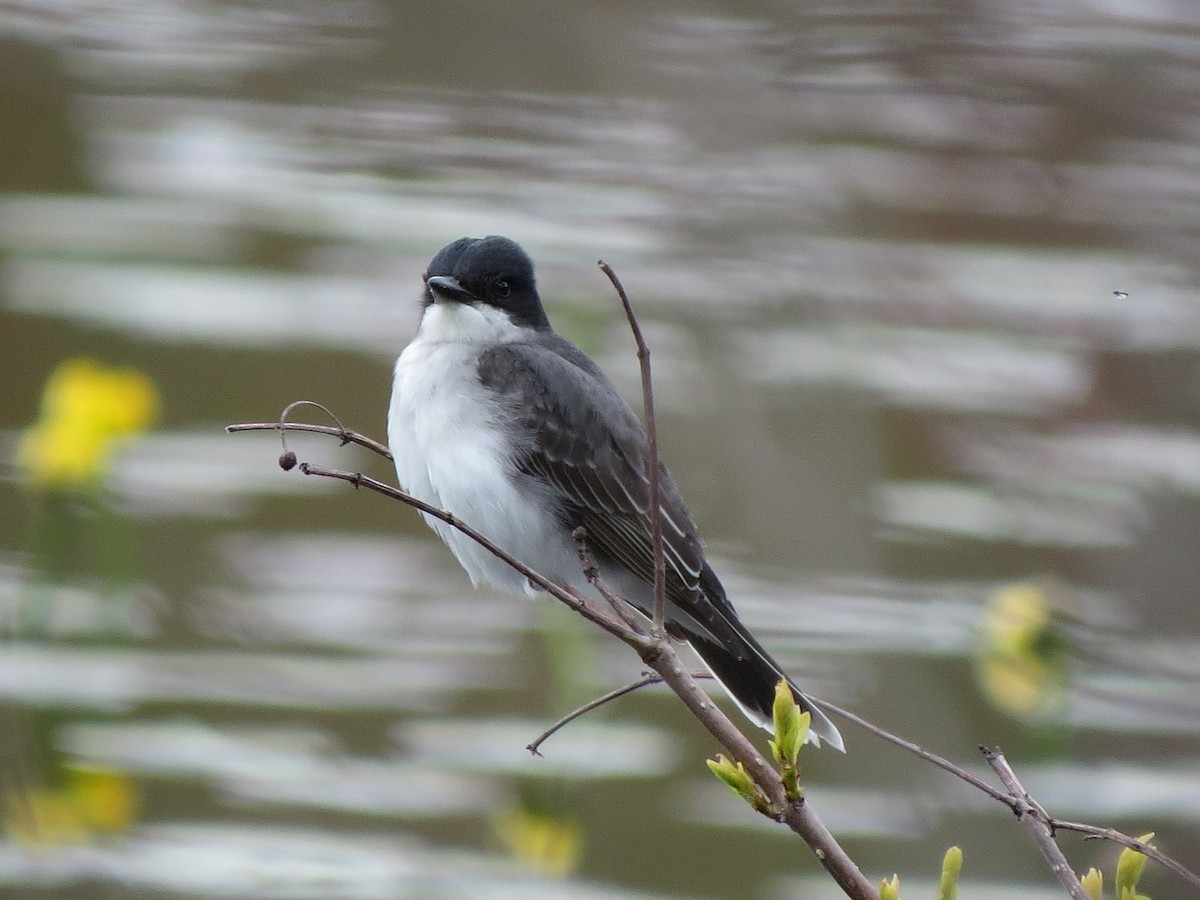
{"x": 504, "y": 423}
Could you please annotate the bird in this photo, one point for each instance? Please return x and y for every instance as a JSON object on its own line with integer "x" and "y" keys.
{"x": 502, "y": 422}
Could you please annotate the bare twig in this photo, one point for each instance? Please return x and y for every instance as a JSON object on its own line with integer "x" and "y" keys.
{"x": 939, "y": 761}
{"x": 797, "y": 814}
{"x": 625, "y": 612}
{"x": 347, "y": 436}
{"x": 536, "y": 743}
{"x": 563, "y": 596}
{"x": 661, "y": 657}
{"x": 1037, "y": 822}
{"x": 656, "y": 525}
{"x": 1091, "y": 832}
{"x": 1094, "y": 833}
{"x": 645, "y": 681}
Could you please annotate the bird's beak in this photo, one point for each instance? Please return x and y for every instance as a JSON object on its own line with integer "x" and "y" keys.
{"x": 448, "y": 288}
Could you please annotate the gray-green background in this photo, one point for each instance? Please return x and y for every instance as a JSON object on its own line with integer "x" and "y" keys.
{"x": 875, "y": 248}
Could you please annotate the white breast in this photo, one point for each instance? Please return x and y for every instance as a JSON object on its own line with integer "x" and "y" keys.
{"x": 450, "y": 452}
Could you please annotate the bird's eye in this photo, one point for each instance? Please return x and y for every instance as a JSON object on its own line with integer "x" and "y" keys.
{"x": 502, "y": 288}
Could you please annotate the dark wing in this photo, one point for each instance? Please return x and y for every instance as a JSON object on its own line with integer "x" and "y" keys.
{"x": 584, "y": 440}
{"x": 577, "y": 435}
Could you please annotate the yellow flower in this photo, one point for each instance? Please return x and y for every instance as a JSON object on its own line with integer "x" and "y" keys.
{"x": 544, "y": 843}
{"x": 95, "y": 800}
{"x": 42, "y": 817}
{"x": 107, "y": 799}
{"x": 1023, "y": 655}
{"x": 88, "y": 411}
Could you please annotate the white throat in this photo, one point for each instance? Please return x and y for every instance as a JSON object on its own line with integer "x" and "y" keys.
{"x": 463, "y": 323}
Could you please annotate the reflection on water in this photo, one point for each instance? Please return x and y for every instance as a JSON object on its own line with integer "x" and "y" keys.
{"x": 920, "y": 284}
{"x": 114, "y": 679}
{"x": 224, "y": 859}
{"x": 177, "y": 303}
{"x": 596, "y": 752}
{"x": 1039, "y": 516}
{"x": 926, "y": 369}
{"x": 1164, "y": 793}
{"x": 847, "y": 811}
{"x": 282, "y": 766}
{"x": 1140, "y": 458}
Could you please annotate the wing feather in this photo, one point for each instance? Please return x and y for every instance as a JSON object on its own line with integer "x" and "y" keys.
{"x": 582, "y": 438}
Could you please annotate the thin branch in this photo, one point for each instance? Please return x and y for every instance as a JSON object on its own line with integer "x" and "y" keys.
{"x": 656, "y": 526}
{"x": 1036, "y": 821}
{"x": 1095, "y": 833}
{"x": 798, "y": 815}
{"x": 1092, "y": 832}
{"x": 625, "y": 612}
{"x": 570, "y": 717}
{"x": 939, "y": 761}
{"x": 345, "y": 434}
{"x": 583, "y": 599}
{"x": 646, "y": 680}
{"x": 359, "y": 480}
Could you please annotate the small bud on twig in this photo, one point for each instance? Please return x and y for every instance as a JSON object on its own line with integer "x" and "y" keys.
{"x": 791, "y": 729}
{"x": 738, "y": 780}
{"x": 951, "y": 867}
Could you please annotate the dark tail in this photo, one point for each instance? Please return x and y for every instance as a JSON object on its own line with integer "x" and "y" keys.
{"x": 749, "y": 675}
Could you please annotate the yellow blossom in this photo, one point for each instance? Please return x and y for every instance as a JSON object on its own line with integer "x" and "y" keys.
{"x": 1023, "y": 655}
{"x": 106, "y": 798}
{"x": 544, "y": 843}
{"x": 88, "y": 411}
{"x": 94, "y": 800}
{"x": 42, "y": 817}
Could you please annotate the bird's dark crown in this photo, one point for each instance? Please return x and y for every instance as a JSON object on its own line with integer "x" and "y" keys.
{"x": 494, "y": 271}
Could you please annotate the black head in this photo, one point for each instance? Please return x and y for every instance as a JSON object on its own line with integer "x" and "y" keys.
{"x": 491, "y": 271}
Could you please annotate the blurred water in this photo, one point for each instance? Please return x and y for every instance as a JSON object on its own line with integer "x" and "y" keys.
{"x": 920, "y": 284}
